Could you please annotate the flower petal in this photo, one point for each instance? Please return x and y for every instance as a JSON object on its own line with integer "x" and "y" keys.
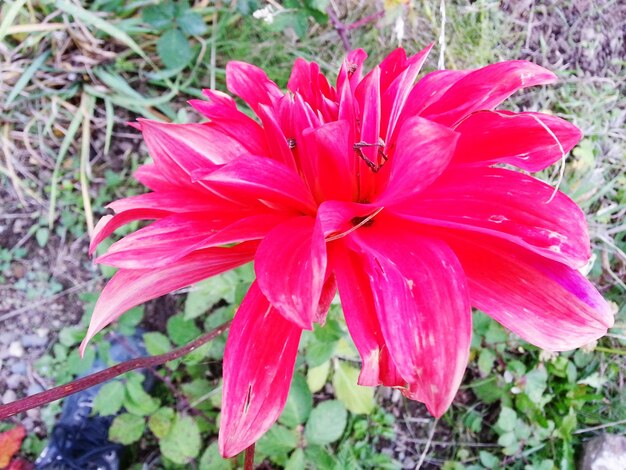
{"x": 179, "y": 149}
{"x": 227, "y": 119}
{"x": 530, "y": 141}
{"x": 327, "y": 161}
{"x": 250, "y": 179}
{"x": 423, "y": 151}
{"x": 545, "y": 302}
{"x": 173, "y": 237}
{"x": 359, "y": 311}
{"x": 131, "y": 287}
{"x": 395, "y": 94}
{"x": 251, "y": 84}
{"x": 422, "y": 303}
{"x": 259, "y": 361}
{"x": 150, "y": 176}
{"x": 290, "y": 266}
{"x": 486, "y": 88}
{"x": 509, "y": 205}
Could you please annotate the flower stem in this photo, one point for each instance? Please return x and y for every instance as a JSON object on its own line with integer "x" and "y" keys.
{"x": 248, "y": 463}
{"x": 56, "y": 393}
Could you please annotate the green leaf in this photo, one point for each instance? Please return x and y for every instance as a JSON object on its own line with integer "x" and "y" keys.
{"x": 160, "y": 422}
{"x": 182, "y": 443}
{"x": 299, "y": 403}
{"x": 319, "y": 458}
{"x": 156, "y": 343}
{"x": 507, "y": 419}
{"x": 128, "y": 322}
{"x": 212, "y": 460}
{"x": 296, "y": 461}
{"x": 326, "y": 423}
{"x": 191, "y": 23}
{"x": 109, "y": 399}
{"x": 328, "y": 333}
{"x": 316, "y": 376}
{"x": 207, "y": 293}
{"x": 277, "y": 441}
{"x": 136, "y": 400}
{"x": 181, "y": 331}
{"x": 318, "y": 352}
{"x": 485, "y": 361}
{"x": 357, "y": 399}
{"x": 536, "y": 383}
{"x": 126, "y": 429}
{"x": 76, "y": 365}
{"x": 174, "y": 49}
{"x": 42, "y": 234}
{"x": 159, "y": 16}
{"x": 488, "y": 460}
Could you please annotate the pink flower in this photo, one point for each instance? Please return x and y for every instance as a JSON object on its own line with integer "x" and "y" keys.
{"x": 381, "y": 188}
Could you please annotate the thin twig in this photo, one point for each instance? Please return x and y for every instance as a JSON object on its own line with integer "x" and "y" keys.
{"x": 340, "y": 28}
{"x": 442, "y": 36}
{"x": 83, "y": 383}
{"x": 427, "y": 446}
{"x": 601, "y": 426}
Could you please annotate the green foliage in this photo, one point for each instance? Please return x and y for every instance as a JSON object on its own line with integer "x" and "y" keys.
{"x": 175, "y": 22}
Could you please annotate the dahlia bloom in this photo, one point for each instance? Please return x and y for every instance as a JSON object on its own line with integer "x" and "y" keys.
{"x": 391, "y": 192}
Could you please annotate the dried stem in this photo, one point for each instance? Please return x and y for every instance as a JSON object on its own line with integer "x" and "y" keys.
{"x": 56, "y": 393}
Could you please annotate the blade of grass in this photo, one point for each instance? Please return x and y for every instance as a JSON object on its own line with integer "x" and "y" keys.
{"x": 9, "y": 17}
{"x": 87, "y": 105}
{"x": 26, "y": 76}
{"x": 65, "y": 145}
{"x": 108, "y": 106}
{"x": 102, "y": 25}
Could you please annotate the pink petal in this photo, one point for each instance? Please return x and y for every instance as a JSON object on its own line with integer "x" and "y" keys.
{"x": 290, "y": 266}
{"x": 150, "y": 176}
{"x": 173, "y": 237}
{"x": 326, "y": 298}
{"x": 423, "y": 307}
{"x": 426, "y": 92}
{"x": 368, "y": 99}
{"x": 508, "y": 205}
{"x": 110, "y": 223}
{"x": 251, "y": 84}
{"x": 259, "y": 361}
{"x": 486, "y": 88}
{"x": 179, "y": 149}
{"x": 307, "y": 80}
{"x": 359, "y": 311}
{"x": 327, "y": 161}
{"x": 350, "y": 72}
{"x": 530, "y": 141}
{"x": 129, "y": 288}
{"x": 395, "y": 94}
{"x": 275, "y": 137}
{"x": 250, "y": 179}
{"x": 155, "y": 206}
{"x": 227, "y": 119}
{"x": 423, "y": 151}
{"x": 545, "y": 302}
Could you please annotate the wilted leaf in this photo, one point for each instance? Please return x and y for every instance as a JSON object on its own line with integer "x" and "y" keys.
{"x": 10, "y": 443}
